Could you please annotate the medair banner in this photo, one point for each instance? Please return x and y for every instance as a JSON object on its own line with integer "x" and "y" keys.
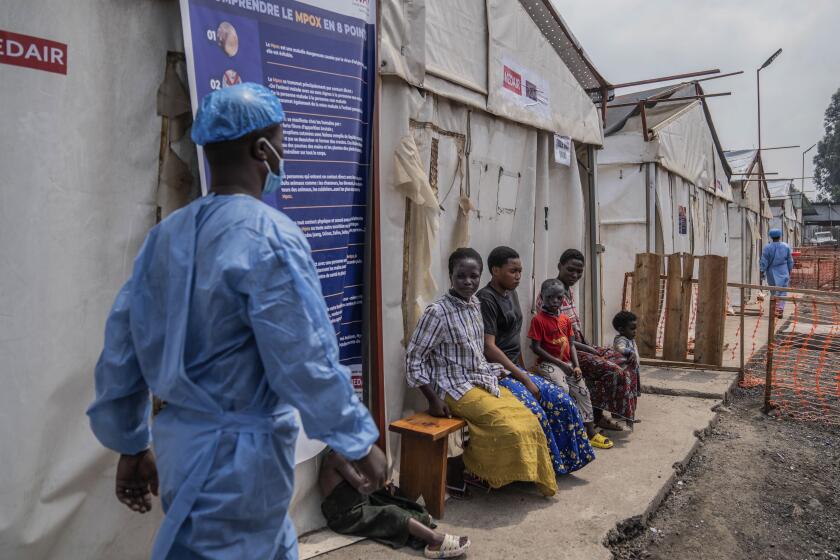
{"x": 318, "y": 57}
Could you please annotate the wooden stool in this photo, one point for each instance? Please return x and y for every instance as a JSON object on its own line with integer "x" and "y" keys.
{"x": 423, "y": 457}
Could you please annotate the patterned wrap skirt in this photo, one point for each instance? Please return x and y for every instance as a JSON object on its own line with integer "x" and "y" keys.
{"x": 613, "y": 381}
{"x": 560, "y": 420}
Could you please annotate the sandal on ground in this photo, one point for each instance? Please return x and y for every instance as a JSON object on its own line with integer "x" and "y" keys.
{"x": 450, "y": 548}
{"x": 601, "y": 442}
{"x": 458, "y": 491}
{"x": 473, "y": 480}
{"x": 609, "y": 425}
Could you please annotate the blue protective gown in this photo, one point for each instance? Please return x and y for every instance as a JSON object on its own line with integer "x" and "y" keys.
{"x": 223, "y": 318}
{"x": 776, "y": 263}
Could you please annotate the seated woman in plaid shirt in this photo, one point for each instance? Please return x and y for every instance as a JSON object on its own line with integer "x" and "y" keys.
{"x": 445, "y": 359}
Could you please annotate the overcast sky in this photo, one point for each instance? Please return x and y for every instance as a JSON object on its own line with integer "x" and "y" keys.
{"x": 636, "y": 39}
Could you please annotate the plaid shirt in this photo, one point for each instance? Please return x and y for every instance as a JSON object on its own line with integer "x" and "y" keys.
{"x": 447, "y": 350}
{"x": 568, "y": 308}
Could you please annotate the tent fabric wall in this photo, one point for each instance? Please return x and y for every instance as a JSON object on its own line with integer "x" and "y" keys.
{"x": 624, "y": 230}
{"x": 459, "y": 28}
{"x": 432, "y": 42}
{"x": 78, "y": 196}
{"x": 743, "y": 215}
{"x": 686, "y": 147}
{"x": 509, "y": 179}
{"x": 517, "y": 43}
{"x": 738, "y": 237}
{"x": 682, "y": 143}
{"x": 402, "y": 50}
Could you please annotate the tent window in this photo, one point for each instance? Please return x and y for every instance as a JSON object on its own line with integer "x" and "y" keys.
{"x": 508, "y": 192}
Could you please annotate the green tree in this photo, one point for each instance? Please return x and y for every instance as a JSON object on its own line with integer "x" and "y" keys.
{"x": 827, "y": 160}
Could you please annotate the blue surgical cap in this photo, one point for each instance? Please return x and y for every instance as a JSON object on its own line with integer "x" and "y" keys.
{"x": 233, "y": 112}
{"x": 775, "y": 232}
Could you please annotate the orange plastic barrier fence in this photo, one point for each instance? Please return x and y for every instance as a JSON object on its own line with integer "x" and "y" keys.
{"x": 804, "y": 348}
{"x": 804, "y": 360}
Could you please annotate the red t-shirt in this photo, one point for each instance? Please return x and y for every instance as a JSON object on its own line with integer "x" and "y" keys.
{"x": 553, "y": 333}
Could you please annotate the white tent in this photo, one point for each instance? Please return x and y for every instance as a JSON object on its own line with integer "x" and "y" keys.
{"x": 786, "y": 216}
{"x": 662, "y": 184}
{"x": 80, "y": 155}
{"x": 749, "y": 218}
{"x": 463, "y": 160}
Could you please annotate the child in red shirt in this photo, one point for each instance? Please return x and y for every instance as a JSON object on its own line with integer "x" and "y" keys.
{"x": 552, "y": 340}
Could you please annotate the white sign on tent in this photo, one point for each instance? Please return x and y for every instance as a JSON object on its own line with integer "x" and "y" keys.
{"x": 562, "y": 150}
{"x": 525, "y": 88}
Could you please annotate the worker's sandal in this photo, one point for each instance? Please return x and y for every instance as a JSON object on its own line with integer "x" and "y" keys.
{"x": 450, "y": 548}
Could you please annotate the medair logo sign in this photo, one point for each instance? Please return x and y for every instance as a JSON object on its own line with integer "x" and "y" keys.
{"x": 33, "y": 52}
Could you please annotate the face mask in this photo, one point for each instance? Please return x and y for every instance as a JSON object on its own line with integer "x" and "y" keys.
{"x": 273, "y": 181}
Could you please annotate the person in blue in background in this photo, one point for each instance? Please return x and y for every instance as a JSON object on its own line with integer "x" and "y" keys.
{"x": 776, "y": 264}
{"x": 223, "y": 318}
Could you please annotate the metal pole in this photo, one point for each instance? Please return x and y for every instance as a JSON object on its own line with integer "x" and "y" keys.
{"x": 742, "y": 372}
{"x": 655, "y": 99}
{"x": 666, "y": 78}
{"x": 758, "y": 96}
{"x": 647, "y": 209}
{"x": 803, "y": 171}
{"x": 594, "y": 240}
{"x": 819, "y": 273}
{"x": 771, "y": 339}
{"x": 743, "y": 279}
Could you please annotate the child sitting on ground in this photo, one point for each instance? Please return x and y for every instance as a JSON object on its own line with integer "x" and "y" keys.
{"x": 625, "y": 323}
{"x": 352, "y": 507}
{"x": 552, "y": 340}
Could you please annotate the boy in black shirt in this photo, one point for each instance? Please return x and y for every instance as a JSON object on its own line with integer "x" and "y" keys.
{"x": 503, "y": 316}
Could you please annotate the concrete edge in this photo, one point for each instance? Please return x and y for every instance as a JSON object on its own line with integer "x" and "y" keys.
{"x": 307, "y": 551}
{"x": 677, "y": 468}
{"x": 651, "y": 390}
{"x": 725, "y": 396}
{"x": 678, "y": 472}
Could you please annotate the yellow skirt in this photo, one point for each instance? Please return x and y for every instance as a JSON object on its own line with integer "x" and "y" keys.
{"x": 507, "y": 443}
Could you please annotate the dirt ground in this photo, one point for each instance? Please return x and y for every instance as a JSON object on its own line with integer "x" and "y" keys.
{"x": 758, "y": 487}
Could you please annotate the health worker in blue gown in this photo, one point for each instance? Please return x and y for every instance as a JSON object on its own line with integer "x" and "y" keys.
{"x": 223, "y": 318}
{"x": 776, "y": 265}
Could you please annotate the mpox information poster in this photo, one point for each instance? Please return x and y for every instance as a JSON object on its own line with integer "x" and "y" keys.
{"x": 317, "y": 56}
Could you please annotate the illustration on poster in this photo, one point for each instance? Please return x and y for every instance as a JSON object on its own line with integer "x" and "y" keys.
{"x": 231, "y": 78}
{"x": 227, "y": 38}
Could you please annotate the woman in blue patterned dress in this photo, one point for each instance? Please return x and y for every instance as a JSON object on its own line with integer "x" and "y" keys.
{"x": 561, "y": 421}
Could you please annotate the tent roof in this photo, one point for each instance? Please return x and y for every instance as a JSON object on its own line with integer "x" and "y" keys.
{"x": 741, "y": 161}
{"x": 564, "y": 42}
{"x": 618, "y": 116}
{"x": 780, "y": 188}
{"x": 783, "y": 189}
